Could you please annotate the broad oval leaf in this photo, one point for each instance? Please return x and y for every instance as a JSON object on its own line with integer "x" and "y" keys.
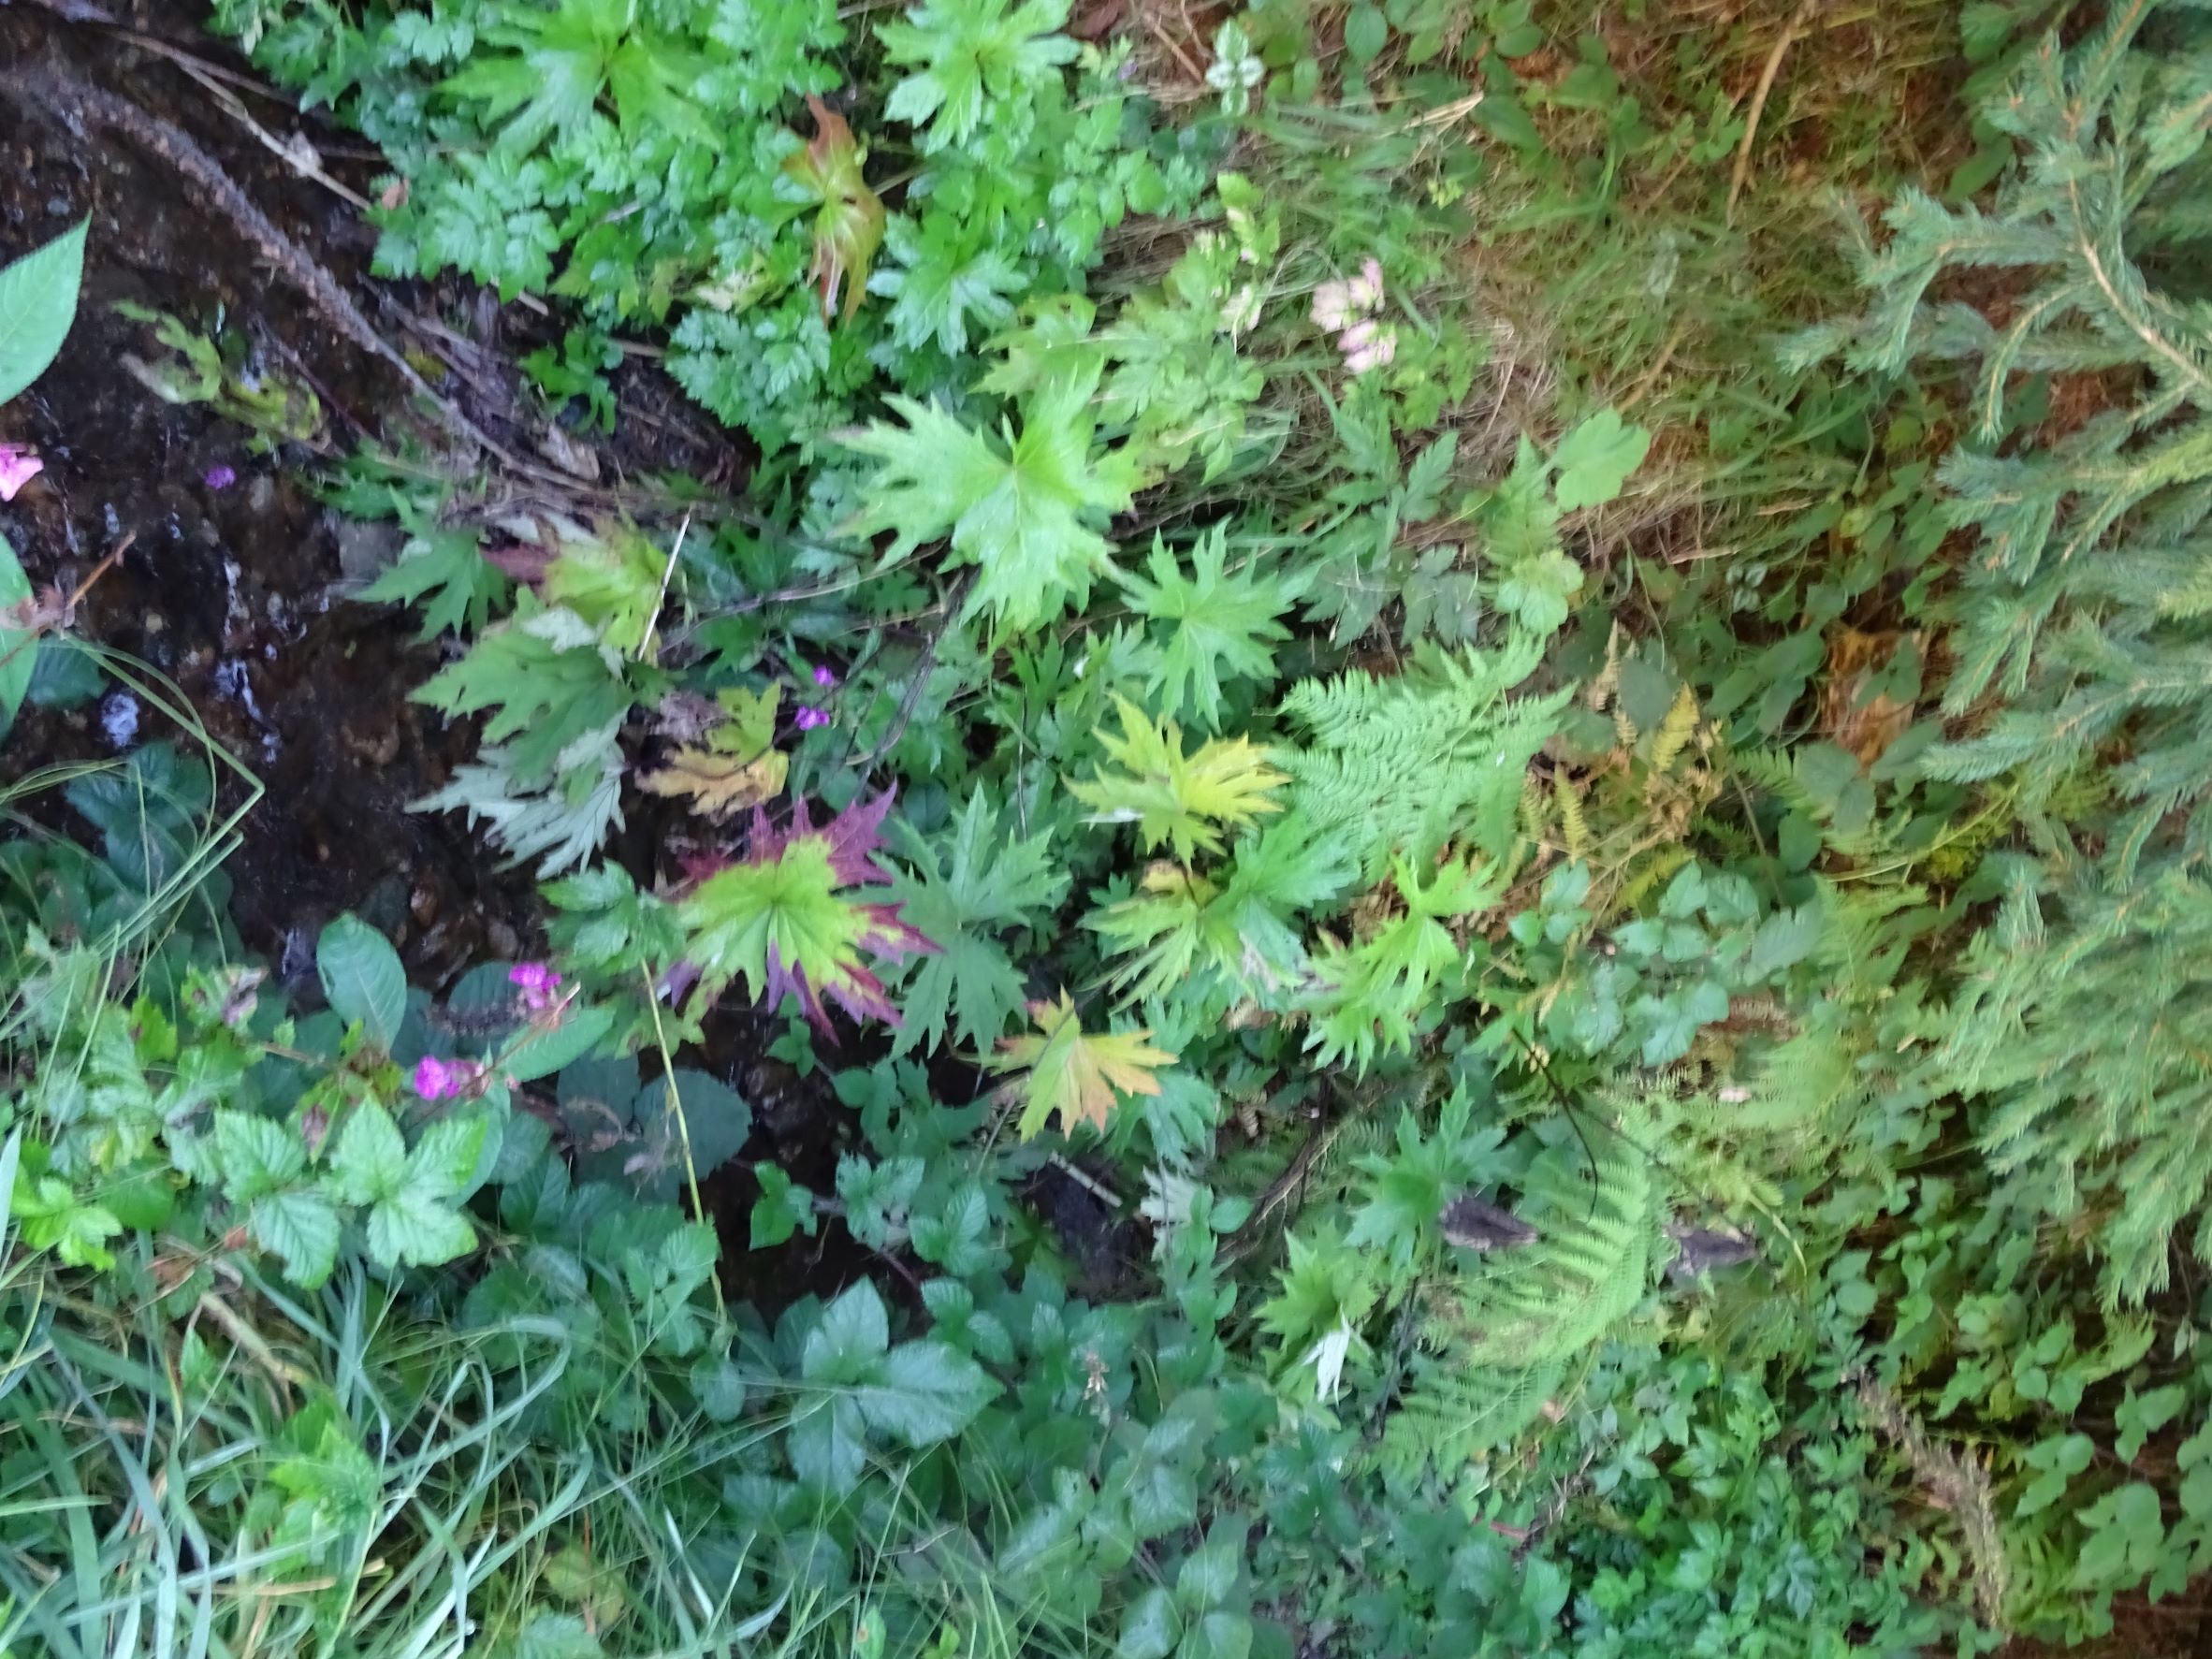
{"x": 17, "y": 652}
{"x": 37, "y": 303}
{"x": 362, "y": 977}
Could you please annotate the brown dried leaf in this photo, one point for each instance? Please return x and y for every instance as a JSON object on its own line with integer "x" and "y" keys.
{"x": 719, "y": 784}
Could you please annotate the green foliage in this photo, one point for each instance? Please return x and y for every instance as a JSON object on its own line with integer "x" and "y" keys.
{"x": 964, "y": 891}
{"x": 2079, "y": 611}
{"x": 37, "y": 303}
{"x": 1022, "y": 517}
{"x": 1402, "y": 765}
{"x": 1594, "y": 1113}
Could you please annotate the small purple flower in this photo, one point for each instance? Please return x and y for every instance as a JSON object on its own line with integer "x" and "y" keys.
{"x": 825, "y": 678}
{"x": 444, "y": 1080}
{"x": 809, "y": 720}
{"x": 537, "y": 982}
{"x": 220, "y": 477}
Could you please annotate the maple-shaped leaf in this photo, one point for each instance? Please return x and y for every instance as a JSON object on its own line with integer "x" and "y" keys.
{"x": 1180, "y": 924}
{"x": 849, "y": 226}
{"x": 1072, "y": 1072}
{"x": 444, "y": 571}
{"x": 785, "y": 921}
{"x": 1595, "y": 458}
{"x": 558, "y": 64}
{"x": 971, "y": 52}
{"x": 736, "y": 766}
{"x": 1218, "y": 625}
{"x": 946, "y": 276}
{"x": 1372, "y": 995}
{"x": 613, "y": 580}
{"x": 1175, "y": 797}
{"x": 551, "y": 679}
{"x": 716, "y": 783}
{"x": 971, "y": 883}
{"x": 1021, "y": 511}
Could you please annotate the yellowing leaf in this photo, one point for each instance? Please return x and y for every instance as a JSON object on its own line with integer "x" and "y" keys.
{"x": 737, "y": 766}
{"x": 1072, "y": 1074}
{"x": 752, "y": 719}
{"x": 1177, "y": 797}
{"x": 849, "y": 226}
{"x": 720, "y": 783}
{"x": 612, "y": 581}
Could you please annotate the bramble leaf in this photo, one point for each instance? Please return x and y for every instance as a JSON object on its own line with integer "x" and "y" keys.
{"x": 37, "y": 303}
{"x": 362, "y": 977}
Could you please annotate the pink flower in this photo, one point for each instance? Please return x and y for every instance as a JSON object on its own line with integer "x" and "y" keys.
{"x": 825, "y": 678}
{"x": 220, "y": 477}
{"x": 1333, "y": 305}
{"x": 1373, "y": 353}
{"x": 809, "y": 720}
{"x": 1366, "y": 289}
{"x": 444, "y": 1080}
{"x": 18, "y": 467}
{"x": 537, "y": 982}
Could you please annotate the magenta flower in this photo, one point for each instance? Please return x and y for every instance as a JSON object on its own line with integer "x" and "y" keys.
{"x": 220, "y": 477}
{"x": 444, "y": 1080}
{"x": 825, "y": 678}
{"x": 18, "y": 467}
{"x": 809, "y": 720}
{"x": 537, "y": 982}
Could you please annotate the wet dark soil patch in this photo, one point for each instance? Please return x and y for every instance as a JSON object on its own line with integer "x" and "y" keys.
{"x": 234, "y": 582}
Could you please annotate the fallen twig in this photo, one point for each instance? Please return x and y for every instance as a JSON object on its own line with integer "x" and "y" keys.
{"x": 1790, "y": 31}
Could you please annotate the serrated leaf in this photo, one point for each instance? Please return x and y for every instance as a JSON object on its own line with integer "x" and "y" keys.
{"x": 942, "y": 286}
{"x": 301, "y": 1230}
{"x": 974, "y": 882}
{"x": 925, "y": 1391}
{"x": 37, "y": 303}
{"x": 1220, "y": 626}
{"x": 827, "y": 1443}
{"x": 786, "y": 922}
{"x": 414, "y": 1229}
{"x": 1176, "y": 797}
{"x": 445, "y": 574}
{"x": 1022, "y": 510}
{"x": 363, "y": 978}
{"x": 368, "y": 1158}
{"x": 255, "y": 1155}
{"x": 1073, "y": 1075}
{"x": 849, "y": 1337}
{"x": 718, "y": 784}
{"x": 968, "y": 53}
{"x": 1595, "y": 458}
{"x": 850, "y": 226}
{"x": 549, "y": 680}
{"x": 16, "y": 644}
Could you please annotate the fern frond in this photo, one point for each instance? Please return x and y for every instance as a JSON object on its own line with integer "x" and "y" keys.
{"x": 1573, "y": 827}
{"x": 1406, "y": 764}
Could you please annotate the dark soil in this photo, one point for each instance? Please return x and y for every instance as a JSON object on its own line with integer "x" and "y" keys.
{"x": 237, "y": 581}
{"x": 236, "y": 591}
